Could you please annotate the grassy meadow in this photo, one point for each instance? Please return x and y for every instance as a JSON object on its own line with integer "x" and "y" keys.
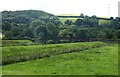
{"x": 74, "y": 19}
{"x": 0, "y": 35}
{"x": 93, "y": 61}
{"x": 14, "y": 54}
{"x": 67, "y": 15}
{"x": 35, "y": 42}
{"x": 104, "y": 21}
{"x": 65, "y": 19}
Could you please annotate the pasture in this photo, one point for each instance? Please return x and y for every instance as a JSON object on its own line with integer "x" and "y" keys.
{"x": 17, "y": 43}
{"x": 14, "y": 54}
{"x": 65, "y": 19}
{"x": 93, "y": 61}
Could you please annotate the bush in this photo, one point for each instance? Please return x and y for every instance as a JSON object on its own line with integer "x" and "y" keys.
{"x": 64, "y": 41}
{"x": 50, "y": 42}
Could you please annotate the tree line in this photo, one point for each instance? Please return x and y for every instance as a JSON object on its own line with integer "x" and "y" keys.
{"x": 44, "y": 25}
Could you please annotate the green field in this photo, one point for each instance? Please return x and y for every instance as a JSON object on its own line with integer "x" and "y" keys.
{"x": 16, "y": 43}
{"x": 13, "y": 54}
{"x": 68, "y": 15}
{"x": 104, "y": 21}
{"x": 74, "y": 19}
{"x": 34, "y": 42}
{"x": 0, "y": 35}
{"x": 93, "y": 61}
{"x": 65, "y": 19}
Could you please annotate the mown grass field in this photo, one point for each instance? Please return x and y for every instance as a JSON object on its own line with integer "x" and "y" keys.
{"x": 0, "y": 35}
{"x": 93, "y": 61}
{"x": 65, "y": 19}
{"x": 104, "y": 21}
{"x": 14, "y": 54}
{"x": 74, "y": 19}
{"x": 68, "y": 15}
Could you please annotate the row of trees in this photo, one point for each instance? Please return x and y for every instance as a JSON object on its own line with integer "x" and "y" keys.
{"x": 93, "y": 21}
{"x": 50, "y": 28}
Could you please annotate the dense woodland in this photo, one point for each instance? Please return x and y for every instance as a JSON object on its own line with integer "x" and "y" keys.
{"x": 34, "y": 24}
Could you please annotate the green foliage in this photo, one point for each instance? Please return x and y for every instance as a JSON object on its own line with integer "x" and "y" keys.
{"x": 50, "y": 42}
{"x": 65, "y": 19}
{"x": 25, "y": 16}
{"x": 52, "y": 29}
{"x": 34, "y": 24}
{"x": 6, "y": 26}
{"x": 41, "y": 31}
{"x": 29, "y": 33}
{"x": 79, "y": 22}
{"x": 28, "y": 24}
{"x": 68, "y": 22}
{"x": 64, "y": 41}
{"x": 82, "y": 15}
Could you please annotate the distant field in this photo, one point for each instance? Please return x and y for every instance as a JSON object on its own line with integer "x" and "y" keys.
{"x": 68, "y": 15}
{"x": 0, "y": 35}
{"x": 103, "y": 17}
{"x": 74, "y": 19}
{"x": 78, "y": 15}
{"x": 104, "y": 21}
{"x": 65, "y": 19}
{"x": 94, "y": 61}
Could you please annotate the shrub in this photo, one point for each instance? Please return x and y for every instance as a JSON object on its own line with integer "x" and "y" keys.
{"x": 50, "y": 42}
{"x": 64, "y": 41}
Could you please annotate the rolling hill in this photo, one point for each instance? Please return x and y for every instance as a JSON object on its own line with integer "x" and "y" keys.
{"x": 25, "y": 16}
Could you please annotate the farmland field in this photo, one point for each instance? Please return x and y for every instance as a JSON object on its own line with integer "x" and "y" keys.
{"x": 0, "y": 35}
{"x": 74, "y": 19}
{"x": 40, "y": 42}
{"x": 104, "y": 21}
{"x": 13, "y": 54}
{"x": 17, "y": 43}
{"x": 65, "y": 19}
{"x": 68, "y": 15}
{"x": 94, "y": 61}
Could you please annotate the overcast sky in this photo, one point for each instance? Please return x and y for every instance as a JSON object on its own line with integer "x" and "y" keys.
{"x": 105, "y": 8}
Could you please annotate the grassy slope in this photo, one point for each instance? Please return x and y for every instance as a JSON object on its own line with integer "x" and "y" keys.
{"x": 13, "y": 54}
{"x": 65, "y": 19}
{"x": 0, "y": 35}
{"x": 95, "y": 61}
{"x": 74, "y": 19}
{"x": 104, "y": 21}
